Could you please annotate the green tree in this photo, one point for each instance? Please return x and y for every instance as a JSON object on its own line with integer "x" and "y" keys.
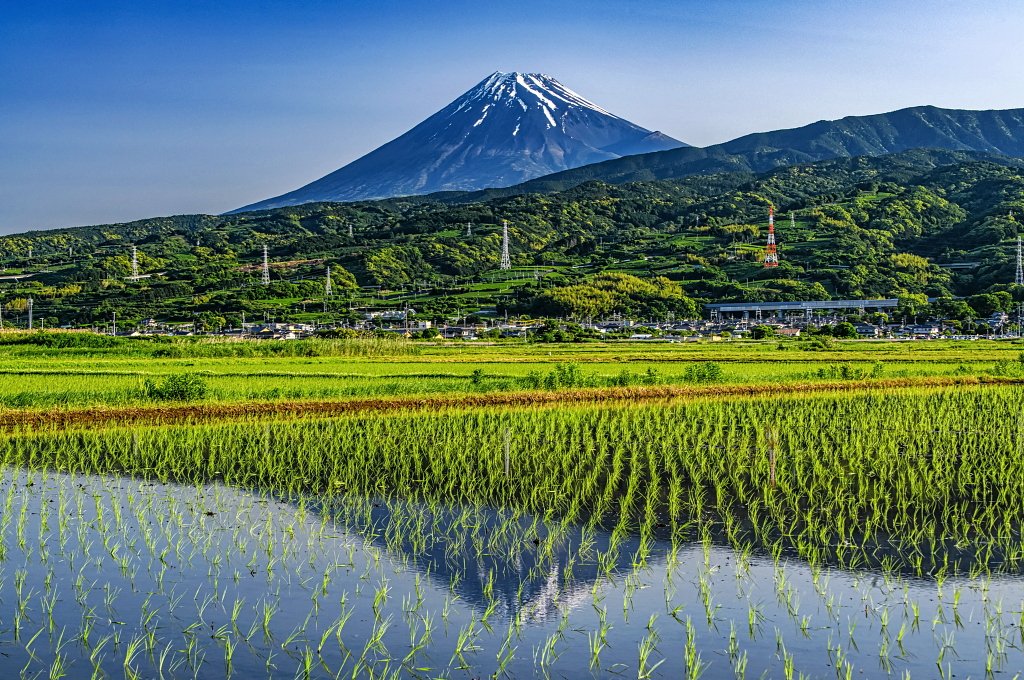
{"x": 844, "y": 329}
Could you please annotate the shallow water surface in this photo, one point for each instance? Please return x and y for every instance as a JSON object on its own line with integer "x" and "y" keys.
{"x": 121, "y": 577}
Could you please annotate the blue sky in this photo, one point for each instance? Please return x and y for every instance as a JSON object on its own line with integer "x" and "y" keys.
{"x": 113, "y": 111}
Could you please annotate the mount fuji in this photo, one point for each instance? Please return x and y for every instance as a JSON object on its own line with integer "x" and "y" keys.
{"x": 510, "y": 128}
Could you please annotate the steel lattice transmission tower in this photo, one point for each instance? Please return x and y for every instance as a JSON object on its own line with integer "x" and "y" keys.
{"x": 351, "y": 234}
{"x": 771, "y": 254}
{"x": 135, "y": 263}
{"x": 1019, "y": 277}
{"x": 469, "y": 228}
{"x": 328, "y": 290}
{"x": 266, "y": 267}
{"x": 506, "y": 261}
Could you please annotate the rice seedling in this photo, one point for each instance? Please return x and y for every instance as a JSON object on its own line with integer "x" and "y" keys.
{"x": 695, "y": 667}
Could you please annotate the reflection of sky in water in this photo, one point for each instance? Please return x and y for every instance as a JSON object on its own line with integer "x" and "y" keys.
{"x": 133, "y": 557}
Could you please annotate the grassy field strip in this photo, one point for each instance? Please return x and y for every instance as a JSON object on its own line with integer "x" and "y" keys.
{"x": 12, "y": 420}
{"x": 207, "y": 372}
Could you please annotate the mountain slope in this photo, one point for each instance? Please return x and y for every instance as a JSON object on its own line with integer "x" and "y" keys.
{"x": 997, "y": 132}
{"x": 922, "y": 222}
{"x": 510, "y": 128}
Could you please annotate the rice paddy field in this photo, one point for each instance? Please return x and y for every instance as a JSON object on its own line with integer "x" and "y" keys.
{"x": 691, "y": 522}
{"x": 36, "y": 376}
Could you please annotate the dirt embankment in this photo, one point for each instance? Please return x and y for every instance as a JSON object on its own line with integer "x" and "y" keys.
{"x": 198, "y": 413}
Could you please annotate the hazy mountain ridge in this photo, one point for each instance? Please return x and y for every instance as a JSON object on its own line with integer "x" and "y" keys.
{"x": 922, "y": 127}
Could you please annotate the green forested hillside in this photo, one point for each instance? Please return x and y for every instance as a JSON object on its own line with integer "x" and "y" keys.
{"x": 863, "y": 227}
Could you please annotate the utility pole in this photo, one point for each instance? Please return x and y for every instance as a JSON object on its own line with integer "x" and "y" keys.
{"x": 30, "y": 313}
{"x": 113, "y": 325}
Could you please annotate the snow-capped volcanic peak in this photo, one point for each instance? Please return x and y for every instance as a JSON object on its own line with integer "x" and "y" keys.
{"x": 517, "y": 104}
{"x": 531, "y": 90}
{"x": 509, "y": 128}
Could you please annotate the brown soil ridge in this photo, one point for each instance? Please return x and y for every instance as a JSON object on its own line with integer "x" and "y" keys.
{"x": 199, "y": 413}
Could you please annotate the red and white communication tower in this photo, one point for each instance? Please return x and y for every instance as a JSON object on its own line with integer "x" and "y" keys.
{"x": 771, "y": 255}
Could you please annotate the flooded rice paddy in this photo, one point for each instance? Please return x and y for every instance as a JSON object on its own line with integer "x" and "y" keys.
{"x": 836, "y": 535}
{"x": 117, "y": 576}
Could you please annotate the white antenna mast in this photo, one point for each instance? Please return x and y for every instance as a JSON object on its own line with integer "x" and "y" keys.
{"x": 506, "y": 261}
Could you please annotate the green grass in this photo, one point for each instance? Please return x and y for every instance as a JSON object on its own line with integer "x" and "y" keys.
{"x": 104, "y": 371}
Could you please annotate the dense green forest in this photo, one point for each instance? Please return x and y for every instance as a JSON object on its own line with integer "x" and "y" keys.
{"x": 866, "y": 227}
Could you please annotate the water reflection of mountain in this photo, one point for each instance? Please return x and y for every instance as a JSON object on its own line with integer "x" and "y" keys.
{"x": 543, "y": 567}
{"x": 531, "y": 569}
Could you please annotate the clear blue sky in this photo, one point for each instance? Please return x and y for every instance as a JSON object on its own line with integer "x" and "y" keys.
{"x": 112, "y": 111}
